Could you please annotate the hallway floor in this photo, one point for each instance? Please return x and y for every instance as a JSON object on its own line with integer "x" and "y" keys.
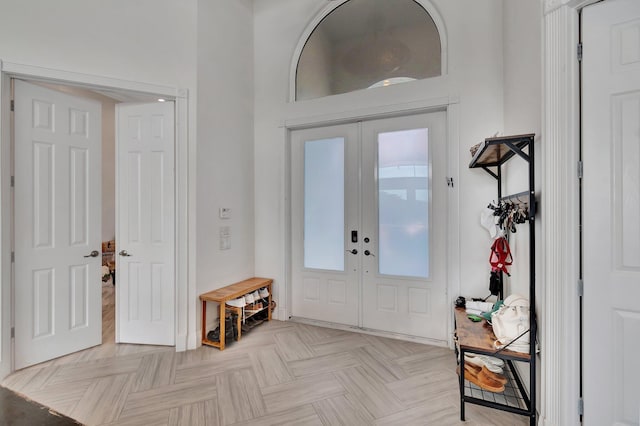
{"x": 279, "y": 373}
{"x": 18, "y": 411}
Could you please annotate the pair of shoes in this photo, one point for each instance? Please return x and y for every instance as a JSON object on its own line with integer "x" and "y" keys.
{"x": 491, "y": 363}
{"x": 483, "y": 378}
{"x": 254, "y": 307}
{"x": 230, "y": 330}
{"x": 237, "y": 303}
{"x": 252, "y": 297}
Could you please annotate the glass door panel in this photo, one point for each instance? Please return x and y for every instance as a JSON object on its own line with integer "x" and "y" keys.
{"x": 324, "y": 204}
{"x": 403, "y": 203}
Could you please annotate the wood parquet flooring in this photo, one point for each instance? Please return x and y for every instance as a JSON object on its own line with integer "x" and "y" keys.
{"x": 281, "y": 373}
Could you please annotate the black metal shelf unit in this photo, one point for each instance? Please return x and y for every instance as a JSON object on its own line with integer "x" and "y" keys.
{"x": 491, "y": 156}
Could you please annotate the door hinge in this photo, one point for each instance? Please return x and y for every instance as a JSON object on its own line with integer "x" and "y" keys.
{"x": 450, "y": 182}
{"x": 13, "y": 332}
{"x": 580, "y": 52}
{"x": 580, "y": 287}
{"x": 13, "y": 256}
{"x": 13, "y": 105}
{"x": 581, "y": 407}
{"x": 580, "y": 169}
{"x": 13, "y": 181}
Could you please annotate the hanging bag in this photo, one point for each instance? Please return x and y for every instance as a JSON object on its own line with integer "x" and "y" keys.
{"x": 500, "y": 256}
{"x": 511, "y": 324}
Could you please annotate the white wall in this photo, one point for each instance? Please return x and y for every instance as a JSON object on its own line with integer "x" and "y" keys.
{"x": 150, "y": 41}
{"x": 225, "y": 143}
{"x": 523, "y": 114}
{"x": 474, "y": 31}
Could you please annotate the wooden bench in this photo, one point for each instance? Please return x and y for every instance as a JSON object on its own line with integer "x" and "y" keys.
{"x": 224, "y": 294}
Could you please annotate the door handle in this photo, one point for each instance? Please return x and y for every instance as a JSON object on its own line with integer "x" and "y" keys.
{"x": 124, "y": 253}
{"x": 94, "y": 253}
{"x": 368, "y": 253}
{"x": 354, "y": 251}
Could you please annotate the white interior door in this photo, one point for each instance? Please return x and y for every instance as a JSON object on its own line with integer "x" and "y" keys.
{"x": 611, "y": 197}
{"x": 404, "y": 263}
{"x": 58, "y": 307}
{"x": 145, "y": 306}
{"x": 363, "y": 225}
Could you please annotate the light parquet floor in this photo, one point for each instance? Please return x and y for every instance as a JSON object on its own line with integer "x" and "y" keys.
{"x": 281, "y": 373}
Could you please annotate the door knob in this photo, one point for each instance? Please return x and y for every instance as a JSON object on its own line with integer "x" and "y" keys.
{"x": 94, "y": 253}
{"x": 368, "y": 253}
{"x": 354, "y": 251}
{"x": 124, "y": 253}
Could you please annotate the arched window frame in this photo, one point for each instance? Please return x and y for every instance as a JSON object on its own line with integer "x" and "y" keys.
{"x": 302, "y": 41}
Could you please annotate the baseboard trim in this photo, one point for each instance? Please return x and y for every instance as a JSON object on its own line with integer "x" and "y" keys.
{"x": 379, "y": 333}
{"x": 181, "y": 343}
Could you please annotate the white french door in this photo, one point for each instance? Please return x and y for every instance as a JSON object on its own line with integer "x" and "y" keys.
{"x": 404, "y": 218}
{"x": 57, "y": 195}
{"x": 145, "y": 306}
{"x": 365, "y": 226}
{"x": 325, "y": 209}
{"x": 611, "y": 209}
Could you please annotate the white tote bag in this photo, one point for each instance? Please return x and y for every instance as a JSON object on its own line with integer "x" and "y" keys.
{"x": 511, "y": 324}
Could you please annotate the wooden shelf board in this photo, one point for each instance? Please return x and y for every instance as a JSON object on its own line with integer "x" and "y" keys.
{"x": 479, "y": 337}
{"x": 494, "y": 151}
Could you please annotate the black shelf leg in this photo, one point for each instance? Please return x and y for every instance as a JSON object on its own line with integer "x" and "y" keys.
{"x": 461, "y": 377}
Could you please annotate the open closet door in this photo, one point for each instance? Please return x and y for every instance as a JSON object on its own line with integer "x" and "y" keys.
{"x": 57, "y": 194}
{"x": 145, "y": 292}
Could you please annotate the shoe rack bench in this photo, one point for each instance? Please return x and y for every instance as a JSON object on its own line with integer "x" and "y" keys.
{"x": 478, "y": 338}
{"x": 224, "y": 294}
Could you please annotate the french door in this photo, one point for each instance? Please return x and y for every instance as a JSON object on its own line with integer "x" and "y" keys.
{"x": 57, "y": 224}
{"x": 369, "y": 224}
{"x": 145, "y": 305}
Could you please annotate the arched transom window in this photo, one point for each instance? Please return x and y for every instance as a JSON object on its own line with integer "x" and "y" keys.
{"x": 368, "y": 43}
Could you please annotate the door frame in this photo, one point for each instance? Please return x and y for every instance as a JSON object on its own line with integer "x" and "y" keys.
{"x": 560, "y": 251}
{"x": 184, "y": 192}
{"x": 450, "y": 105}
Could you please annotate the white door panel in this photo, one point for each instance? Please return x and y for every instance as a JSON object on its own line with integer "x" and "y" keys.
{"x": 611, "y": 197}
{"x": 145, "y": 221}
{"x": 57, "y": 224}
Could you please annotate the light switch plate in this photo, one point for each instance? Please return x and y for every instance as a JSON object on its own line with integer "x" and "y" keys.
{"x": 224, "y": 213}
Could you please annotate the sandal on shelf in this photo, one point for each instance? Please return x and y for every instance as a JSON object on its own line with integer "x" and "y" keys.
{"x": 486, "y": 373}
{"x": 472, "y": 374}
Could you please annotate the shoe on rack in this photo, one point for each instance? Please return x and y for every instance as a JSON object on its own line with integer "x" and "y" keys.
{"x": 237, "y": 303}
{"x": 472, "y": 374}
{"x": 230, "y": 331}
{"x": 493, "y": 364}
{"x": 485, "y": 373}
{"x": 254, "y": 307}
{"x": 264, "y": 292}
{"x": 234, "y": 325}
